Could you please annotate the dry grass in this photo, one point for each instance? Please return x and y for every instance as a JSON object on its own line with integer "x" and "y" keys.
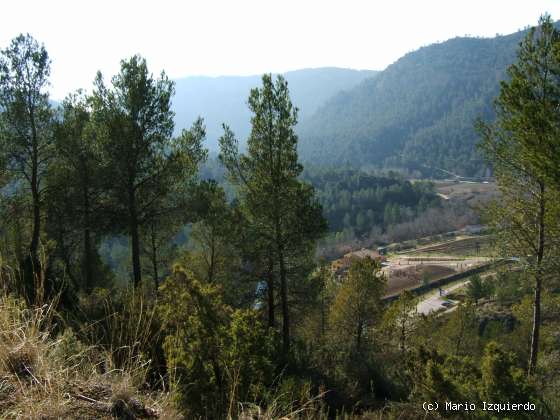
{"x": 46, "y": 377}
{"x": 410, "y": 277}
{"x": 286, "y": 406}
{"x": 467, "y": 191}
{"x": 43, "y": 376}
{"x": 461, "y": 247}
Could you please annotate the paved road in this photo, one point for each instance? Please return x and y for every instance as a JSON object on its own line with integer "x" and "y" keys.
{"x": 434, "y": 301}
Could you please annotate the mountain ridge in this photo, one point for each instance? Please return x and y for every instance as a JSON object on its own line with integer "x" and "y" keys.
{"x": 222, "y": 99}
{"x": 418, "y": 113}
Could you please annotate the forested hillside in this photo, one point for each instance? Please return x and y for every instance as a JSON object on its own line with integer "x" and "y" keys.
{"x": 418, "y": 113}
{"x": 360, "y": 201}
{"x": 249, "y": 320}
{"x": 223, "y": 99}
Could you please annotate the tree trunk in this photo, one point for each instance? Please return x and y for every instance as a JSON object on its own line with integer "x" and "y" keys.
{"x": 66, "y": 259}
{"x": 403, "y": 333}
{"x": 154, "y": 257}
{"x": 538, "y": 284}
{"x": 87, "y": 243}
{"x": 359, "y": 336}
{"x": 212, "y": 263}
{"x": 536, "y": 326}
{"x": 34, "y": 247}
{"x": 284, "y": 297}
{"x": 460, "y": 335}
{"x": 87, "y": 260}
{"x": 270, "y": 292}
{"x": 34, "y": 269}
{"x": 323, "y": 313}
{"x": 136, "y": 267}
{"x": 34, "y": 285}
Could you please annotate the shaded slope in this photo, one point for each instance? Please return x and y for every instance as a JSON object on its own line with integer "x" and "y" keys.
{"x": 416, "y": 114}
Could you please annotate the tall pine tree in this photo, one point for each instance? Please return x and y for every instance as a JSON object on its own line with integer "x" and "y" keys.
{"x": 75, "y": 193}
{"x": 518, "y": 146}
{"x": 148, "y": 168}
{"x": 26, "y": 135}
{"x": 282, "y": 208}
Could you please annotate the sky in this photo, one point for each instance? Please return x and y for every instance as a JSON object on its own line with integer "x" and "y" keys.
{"x": 242, "y": 37}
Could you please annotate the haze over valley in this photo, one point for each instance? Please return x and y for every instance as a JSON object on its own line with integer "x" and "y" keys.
{"x": 253, "y": 210}
{"x": 416, "y": 115}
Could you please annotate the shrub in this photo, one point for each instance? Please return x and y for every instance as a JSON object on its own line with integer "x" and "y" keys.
{"x": 216, "y": 357}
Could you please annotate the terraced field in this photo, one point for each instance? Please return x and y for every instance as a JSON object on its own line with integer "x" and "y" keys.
{"x": 433, "y": 262}
{"x": 460, "y": 247}
{"x": 467, "y": 191}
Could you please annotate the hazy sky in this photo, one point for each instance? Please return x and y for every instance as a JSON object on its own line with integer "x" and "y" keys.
{"x": 238, "y": 37}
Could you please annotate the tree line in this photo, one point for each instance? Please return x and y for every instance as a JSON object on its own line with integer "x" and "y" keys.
{"x": 247, "y": 313}
{"x": 99, "y": 164}
{"x": 107, "y": 163}
{"x": 360, "y": 201}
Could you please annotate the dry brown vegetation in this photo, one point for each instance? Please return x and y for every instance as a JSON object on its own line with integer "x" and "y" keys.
{"x": 466, "y": 190}
{"x": 413, "y": 276}
{"x": 48, "y": 376}
{"x": 472, "y": 245}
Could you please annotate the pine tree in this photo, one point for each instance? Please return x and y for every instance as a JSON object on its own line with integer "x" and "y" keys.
{"x": 518, "y": 145}
{"x": 283, "y": 209}
{"x": 358, "y": 304}
{"x": 75, "y": 187}
{"x": 26, "y": 122}
{"x": 148, "y": 168}
{"x": 529, "y": 102}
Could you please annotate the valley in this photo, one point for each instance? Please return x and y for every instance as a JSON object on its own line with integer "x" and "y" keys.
{"x": 324, "y": 243}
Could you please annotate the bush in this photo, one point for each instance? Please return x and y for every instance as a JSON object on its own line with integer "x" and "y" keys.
{"x": 478, "y": 289}
{"x": 216, "y": 356}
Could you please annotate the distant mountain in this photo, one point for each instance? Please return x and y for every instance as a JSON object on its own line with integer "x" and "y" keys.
{"x": 418, "y": 113}
{"x": 224, "y": 99}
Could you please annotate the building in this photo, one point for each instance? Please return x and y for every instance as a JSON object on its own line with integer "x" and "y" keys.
{"x": 341, "y": 266}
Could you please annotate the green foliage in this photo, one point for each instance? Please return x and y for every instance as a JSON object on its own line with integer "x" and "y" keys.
{"x": 527, "y": 213}
{"x": 478, "y": 288}
{"x": 194, "y": 316}
{"x": 460, "y": 334}
{"x": 502, "y": 380}
{"x": 313, "y": 324}
{"x": 509, "y": 287}
{"x": 356, "y": 200}
{"x": 417, "y": 114}
{"x": 398, "y": 322}
{"x": 149, "y": 169}
{"x": 283, "y": 211}
{"x": 116, "y": 178}
{"x": 26, "y": 117}
{"x": 26, "y": 142}
{"x": 219, "y": 245}
{"x": 215, "y": 356}
{"x": 498, "y": 379}
{"x": 248, "y": 359}
{"x": 527, "y": 107}
{"x": 74, "y": 205}
{"x": 357, "y": 304}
